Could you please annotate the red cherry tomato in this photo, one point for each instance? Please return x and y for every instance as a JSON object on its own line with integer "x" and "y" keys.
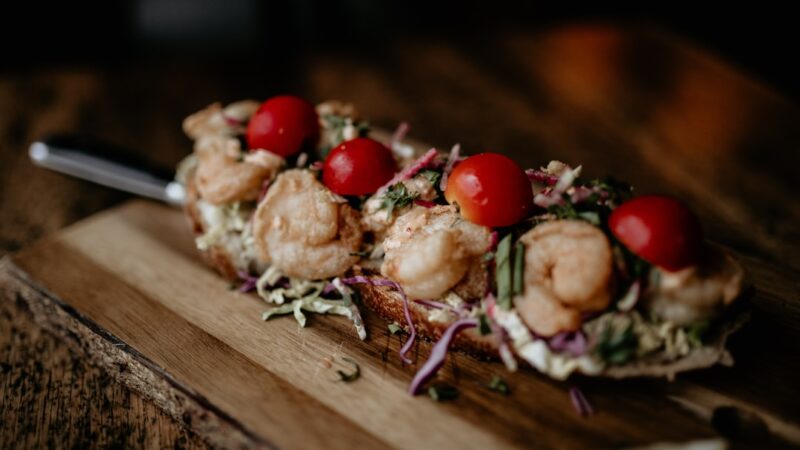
{"x": 358, "y": 167}
{"x": 282, "y": 125}
{"x": 491, "y": 190}
{"x": 658, "y": 229}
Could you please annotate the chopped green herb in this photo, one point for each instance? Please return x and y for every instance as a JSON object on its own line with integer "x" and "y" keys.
{"x": 503, "y": 274}
{"x": 337, "y": 125}
{"x": 590, "y": 216}
{"x": 397, "y": 196}
{"x": 613, "y": 191}
{"x": 334, "y": 120}
{"x": 394, "y": 328}
{"x": 617, "y": 347}
{"x": 565, "y": 210}
{"x": 696, "y": 332}
{"x": 519, "y": 265}
{"x": 488, "y": 256}
{"x": 349, "y": 377}
{"x": 442, "y": 393}
{"x": 497, "y": 384}
{"x": 484, "y": 328}
{"x": 654, "y": 278}
{"x": 432, "y": 176}
{"x": 363, "y": 128}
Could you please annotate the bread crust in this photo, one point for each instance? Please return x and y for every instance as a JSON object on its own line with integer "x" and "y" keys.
{"x": 216, "y": 255}
{"x": 389, "y": 305}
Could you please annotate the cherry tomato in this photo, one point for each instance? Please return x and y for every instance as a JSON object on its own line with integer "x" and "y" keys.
{"x": 490, "y": 189}
{"x": 282, "y": 125}
{"x": 659, "y": 229}
{"x": 358, "y": 167}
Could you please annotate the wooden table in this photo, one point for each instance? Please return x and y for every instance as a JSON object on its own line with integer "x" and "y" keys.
{"x": 637, "y": 103}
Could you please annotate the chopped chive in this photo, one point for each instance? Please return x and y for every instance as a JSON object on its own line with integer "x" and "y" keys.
{"x": 519, "y": 265}
{"x": 349, "y": 377}
{"x": 442, "y": 393}
{"x": 503, "y": 272}
{"x": 497, "y": 384}
{"x": 484, "y": 327}
{"x": 394, "y": 328}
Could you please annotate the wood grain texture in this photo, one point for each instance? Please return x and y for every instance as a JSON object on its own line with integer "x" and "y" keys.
{"x": 52, "y": 398}
{"x": 630, "y": 101}
{"x": 272, "y": 384}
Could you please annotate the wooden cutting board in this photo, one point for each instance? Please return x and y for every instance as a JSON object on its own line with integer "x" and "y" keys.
{"x": 126, "y": 288}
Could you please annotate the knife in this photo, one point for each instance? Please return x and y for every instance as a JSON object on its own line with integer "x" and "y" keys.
{"x": 92, "y": 160}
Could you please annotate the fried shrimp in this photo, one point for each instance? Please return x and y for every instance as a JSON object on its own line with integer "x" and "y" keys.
{"x": 302, "y": 208}
{"x": 222, "y": 178}
{"x": 698, "y": 292}
{"x": 568, "y": 271}
{"x": 216, "y": 120}
{"x": 304, "y": 229}
{"x": 429, "y": 250}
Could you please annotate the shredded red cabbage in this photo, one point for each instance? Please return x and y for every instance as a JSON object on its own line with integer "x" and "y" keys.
{"x": 316, "y": 165}
{"x": 399, "y": 133}
{"x": 452, "y": 159}
{"x": 552, "y": 195}
{"x": 360, "y": 279}
{"x": 432, "y": 304}
{"x": 249, "y": 281}
{"x": 572, "y": 342}
{"x": 232, "y": 121}
{"x": 424, "y": 203}
{"x": 329, "y": 288}
{"x": 438, "y": 353}
{"x": 264, "y": 188}
{"x": 540, "y": 176}
{"x": 411, "y": 169}
{"x": 580, "y": 403}
{"x": 491, "y": 303}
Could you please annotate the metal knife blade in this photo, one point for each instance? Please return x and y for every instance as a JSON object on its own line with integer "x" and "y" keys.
{"x": 107, "y": 165}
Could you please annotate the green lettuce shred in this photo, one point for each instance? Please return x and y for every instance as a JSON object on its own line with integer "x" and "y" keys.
{"x": 306, "y": 296}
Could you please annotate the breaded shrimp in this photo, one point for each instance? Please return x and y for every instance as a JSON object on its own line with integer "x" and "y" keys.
{"x": 221, "y": 178}
{"x": 429, "y": 250}
{"x": 306, "y": 230}
{"x": 568, "y": 271}
{"x": 300, "y": 208}
{"x": 215, "y": 120}
{"x": 698, "y": 292}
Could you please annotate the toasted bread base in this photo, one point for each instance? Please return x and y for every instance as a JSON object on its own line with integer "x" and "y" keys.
{"x": 389, "y": 305}
{"x": 216, "y": 255}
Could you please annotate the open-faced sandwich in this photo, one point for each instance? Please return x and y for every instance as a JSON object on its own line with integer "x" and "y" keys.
{"x": 541, "y": 266}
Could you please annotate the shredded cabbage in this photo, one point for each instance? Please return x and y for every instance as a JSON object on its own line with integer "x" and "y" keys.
{"x": 538, "y": 354}
{"x": 304, "y": 295}
{"x": 671, "y": 339}
{"x": 223, "y": 221}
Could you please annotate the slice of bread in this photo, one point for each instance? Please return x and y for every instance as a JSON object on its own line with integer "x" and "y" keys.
{"x": 389, "y": 305}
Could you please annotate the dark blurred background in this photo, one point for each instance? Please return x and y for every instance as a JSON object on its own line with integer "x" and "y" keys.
{"x": 759, "y": 38}
{"x": 661, "y": 95}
